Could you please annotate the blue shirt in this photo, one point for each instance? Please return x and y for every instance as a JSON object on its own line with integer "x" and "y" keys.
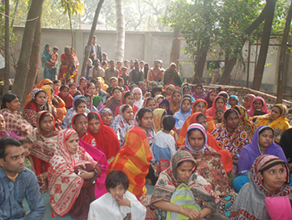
{"x": 13, "y": 193}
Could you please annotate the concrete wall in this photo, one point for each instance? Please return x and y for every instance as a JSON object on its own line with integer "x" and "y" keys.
{"x": 149, "y": 46}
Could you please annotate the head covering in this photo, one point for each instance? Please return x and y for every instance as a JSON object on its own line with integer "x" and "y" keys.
{"x": 249, "y": 96}
{"x": 166, "y": 102}
{"x": 181, "y": 116}
{"x": 157, "y": 115}
{"x": 223, "y": 93}
{"x": 139, "y": 103}
{"x": 264, "y": 108}
{"x": 212, "y": 111}
{"x": 207, "y": 99}
{"x": 45, "y": 56}
{"x": 106, "y": 138}
{"x": 234, "y": 97}
{"x": 174, "y": 108}
{"x": 246, "y": 121}
{"x": 120, "y": 124}
{"x": 279, "y": 207}
{"x": 199, "y": 127}
{"x": 113, "y": 104}
{"x": 196, "y": 102}
{"x": 106, "y": 110}
{"x": 85, "y": 87}
{"x": 32, "y": 105}
{"x": 199, "y": 96}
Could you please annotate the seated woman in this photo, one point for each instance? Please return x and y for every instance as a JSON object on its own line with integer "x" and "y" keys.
{"x": 185, "y": 111}
{"x": 114, "y": 102}
{"x": 150, "y": 103}
{"x": 82, "y": 87}
{"x": 106, "y": 116}
{"x": 211, "y": 97}
{"x": 72, "y": 175}
{"x": 128, "y": 99}
{"x": 138, "y": 97}
{"x": 247, "y": 100}
{"x": 262, "y": 143}
{"x": 175, "y": 101}
{"x": 123, "y": 123}
{"x": 13, "y": 119}
{"x": 231, "y": 136}
{"x": 268, "y": 177}
{"x": 66, "y": 96}
{"x": 5, "y": 132}
{"x": 186, "y": 90}
{"x": 218, "y": 103}
{"x": 198, "y": 201}
{"x": 96, "y": 102}
{"x": 276, "y": 120}
{"x": 209, "y": 165}
{"x": 285, "y": 143}
{"x": 118, "y": 203}
{"x": 133, "y": 158}
{"x": 258, "y": 103}
{"x": 245, "y": 122}
{"x": 43, "y": 137}
{"x": 166, "y": 106}
{"x": 199, "y": 92}
{"x": 169, "y": 89}
{"x": 105, "y": 137}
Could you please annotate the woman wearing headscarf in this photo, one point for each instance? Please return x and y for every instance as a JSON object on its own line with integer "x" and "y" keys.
{"x": 247, "y": 100}
{"x": 262, "y": 143}
{"x": 115, "y": 100}
{"x": 211, "y": 95}
{"x": 209, "y": 165}
{"x": 258, "y": 103}
{"x": 218, "y": 103}
{"x": 276, "y": 120}
{"x": 198, "y": 200}
{"x": 268, "y": 177}
{"x": 106, "y": 116}
{"x": 166, "y": 106}
{"x": 172, "y": 76}
{"x": 82, "y": 87}
{"x": 175, "y": 101}
{"x": 138, "y": 97}
{"x": 72, "y": 175}
{"x": 185, "y": 111}
{"x": 245, "y": 121}
{"x": 199, "y": 92}
{"x": 186, "y": 90}
{"x": 49, "y": 72}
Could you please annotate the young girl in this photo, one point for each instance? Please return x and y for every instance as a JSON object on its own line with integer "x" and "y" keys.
{"x": 89, "y": 104}
{"x": 199, "y": 92}
{"x": 158, "y": 99}
{"x": 118, "y": 203}
{"x": 96, "y": 100}
{"x": 66, "y": 97}
{"x": 121, "y": 83}
{"x": 123, "y": 122}
{"x": 114, "y": 102}
{"x": 233, "y": 101}
{"x": 128, "y": 98}
{"x": 27, "y": 146}
{"x": 106, "y": 116}
{"x": 56, "y": 86}
{"x": 82, "y": 85}
{"x": 138, "y": 97}
{"x": 150, "y": 103}
{"x": 185, "y": 111}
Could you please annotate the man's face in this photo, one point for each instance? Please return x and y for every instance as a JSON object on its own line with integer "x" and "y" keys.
{"x": 13, "y": 162}
{"x": 112, "y": 64}
{"x": 94, "y": 41}
{"x": 96, "y": 63}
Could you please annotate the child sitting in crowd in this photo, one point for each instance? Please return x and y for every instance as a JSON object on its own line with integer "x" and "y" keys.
{"x": 73, "y": 90}
{"x": 66, "y": 97}
{"x": 219, "y": 116}
{"x": 56, "y": 86}
{"x": 27, "y": 146}
{"x": 114, "y": 83}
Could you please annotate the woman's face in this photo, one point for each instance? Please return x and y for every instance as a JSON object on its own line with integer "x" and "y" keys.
{"x": 246, "y": 103}
{"x": 2, "y": 123}
{"x": 233, "y": 102}
{"x": 232, "y": 120}
{"x": 196, "y": 139}
{"x": 184, "y": 171}
{"x": 146, "y": 121}
{"x": 80, "y": 125}
{"x": 186, "y": 90}
{"x": 219, "y": 104}
{"x": 64, "y": 92}
{"x": 273, "y": 178}
{"x": 88, "y": 101}
{"x": 198, "y": 90}
{"x": 128, "y": 113}
{"x": 48, "y": 48}
{"x": 121, "y": 83}
{"x": 117, "y": 94}
{"x": 41, "y": 98}
{"x": 137, "y": 95}
{"x": 47, "y": 124}
{"x": 14, "y": 105}
{"x": 88, "y": 63}
{"x": 200, "y": 107}
{"x": 266, "y": 138}
{"x": 203, "y": 121}
{"x": 169, "y": 91}
{"x": 186, "y": 105}
{"x": 91, "y": 90}
{"x": 94, "y": 125}
{"x": 258, "y": 104}
{"x": 107, "y": 118}
{"x": 151, "y": 104}
{"x": 275, "y": 113}
{"x": 81, "y": 108}
{"x": 72, "y": 143}
{"x": 158, "y": 101}
{"x": 212, "y": 96}
{"x": 129, "y": 100}
{"x": 83, "y": 83}
{"x": 177, "y": 98}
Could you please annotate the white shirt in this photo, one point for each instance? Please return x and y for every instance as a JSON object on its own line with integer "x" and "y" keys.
{"x": 164, "y": 140}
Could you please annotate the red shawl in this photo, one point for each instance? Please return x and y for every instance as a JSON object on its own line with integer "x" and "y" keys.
{"x": 212, "y": 111}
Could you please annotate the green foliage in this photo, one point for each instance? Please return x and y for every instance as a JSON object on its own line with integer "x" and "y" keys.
{"x": 71, "y": 7}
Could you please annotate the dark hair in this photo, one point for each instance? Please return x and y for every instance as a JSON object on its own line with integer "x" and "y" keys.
{"x": 7, "y": 98}
{"x": 39, "y": 93}
{"x": 168, "y": 122}
{"x": 87, "y": 96}
{"x": 56, "y": 81}
{"x": 176, "y": 91}
{"x": 77, "y": 116}
{"x": 64, "y": 87}
{"x": 72, "y": 84}
{"x": 180, "y": 163}
{"x": 265, "y": 129}
{"x": 200, "y": 116}
{"x": 136, "y": 62}
{"x": 93, "y": 81}
{"x": 125, "y": 107}
{"x": 220, "y": 97}
{"x": 25, "y": 141}
{"x": 140, "y": 114}
{"x": 113, "y": 78}
{"x": 216, "y": 216}
{"x": 6, "y": 142}
{"x": 120, "y": 79}
{"x": 116, "y": 87}
{"x": 78, "y": 102}
{"x": 224, "y": 95}
{"x": 128, "y": 93}
{"x": 148, "y": 100}
{"x": 186, "y": 99}
{"x": 258, "y": 112}
{"x": 104, "y": 62}
{"x": 47, "y": 114}
{"x": 221, "y": 110}
{"x": 91, "y": 84}
{"x": 199, "y": 85}
{"x": 281, "y": 111}
{"x": 92, "y": 115}
{"x": 228, "y": 112}
{"x": 116, "y": 177}
{"x": 55, "y": 48}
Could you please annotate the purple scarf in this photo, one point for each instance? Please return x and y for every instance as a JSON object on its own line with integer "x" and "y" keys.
{"x": 199, "y": 96}
{"x": 166, "y": 102}
{"x": 113, "y": 104}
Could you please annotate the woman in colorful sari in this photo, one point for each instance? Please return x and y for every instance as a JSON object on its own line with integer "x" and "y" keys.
{"x": 231, "y": 136}
{"x": 199, "y": 92}
{"x": 276, "y": 120}
{"x": 218, "y": 103}
{"x": 13, "y": 119}
{"x": 185, "y": 111}
{"x": 105, "y": 137}
{"x": 72, "y": 175}
{"x": 172, "y": 76}
{"x": 209, "y": 165}
{"x": 43, "y": 137}
{"x": 262, "y": 143}
{"x": 68, "y": 66}
{"x": 186, "y": 90}
{"x": 211, "y": 95}
{"x": 49, "y": 72}
{"x": 258, "y": 103}
{"x": 133, "y": 158}
{"x": 268, "y": 177}
{"x": 4, "y": 132}
{"x": 175, "y": 101}
{"x": 181, "y": 193}
{"x": 245, "y": 121}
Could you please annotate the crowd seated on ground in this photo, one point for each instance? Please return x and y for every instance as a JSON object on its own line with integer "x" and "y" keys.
{"x": 96, "y": 145}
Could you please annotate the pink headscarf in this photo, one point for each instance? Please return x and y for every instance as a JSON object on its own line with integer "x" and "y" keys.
{"x": 279, "y": 207}
{"x": 264, "y": 108}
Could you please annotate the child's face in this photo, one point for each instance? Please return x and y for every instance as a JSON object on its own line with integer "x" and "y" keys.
{"x": 129, "y": 100}
{"x": 158, "y": 101}
{"x": 57, "y": 86}
{"x": 219, "y": 115}
{"x": 165, "y": 107}
{"x": 55, "y": 51}
{"x": 121, "y": 83}
{"x": 114, "y": 83}
{"x": 64, "y": 92}
{"x": 73, "y": 90}
{"x": 83, "y": 83}
{"x": 186, "y": 105}
{"x": 233, "y": 102}
{"x": 27, "y": 149}
{"x": 246, "y": 102}
{"x": 118, "y": 191}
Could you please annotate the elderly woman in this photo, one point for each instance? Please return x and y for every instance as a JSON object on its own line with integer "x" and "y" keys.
{"x": 198, "y": 201}
{"x": 209, "y": 165}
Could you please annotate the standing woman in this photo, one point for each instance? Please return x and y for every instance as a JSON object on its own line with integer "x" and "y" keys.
{"x": 49, "y": 72}
{"x": 133, "y": 158}
{"x": 13, "y": 119}
{"x": 175, "y": 101}
{"x": 172, "y": 76}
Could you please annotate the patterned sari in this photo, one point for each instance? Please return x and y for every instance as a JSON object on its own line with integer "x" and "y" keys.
{"x": 68, "y": 67}
{"x": 246, "y": 123}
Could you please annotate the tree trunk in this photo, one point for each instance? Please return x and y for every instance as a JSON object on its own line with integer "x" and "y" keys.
{"x": 34, "y": 61}
{"x": 71, "y": 28}
{"x": 120, "y": 46}
{"x": 14, "y": 15}
{"x": 282, "y": 56}
{"x": 7, "y": 54}
{"x": 26, "y": 48}
{"x": 258, "y": 75}
{"x": 227, "y": 71}
{"x": 93, "y": 28}
{"x": 175, "y": 48}
{"x": 200, "y": 64}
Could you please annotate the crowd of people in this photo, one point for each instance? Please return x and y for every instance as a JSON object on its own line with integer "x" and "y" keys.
{"x": 93, "y": 145}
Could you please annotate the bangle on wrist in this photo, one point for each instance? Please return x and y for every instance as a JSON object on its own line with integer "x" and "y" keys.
{"x": 181, "y": 210}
